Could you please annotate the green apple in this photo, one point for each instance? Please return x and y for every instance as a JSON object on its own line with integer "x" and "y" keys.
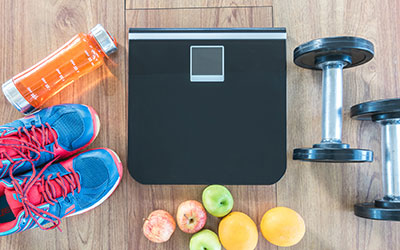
{"x": 217, "y": 200}
{"x": 205, "y": 240}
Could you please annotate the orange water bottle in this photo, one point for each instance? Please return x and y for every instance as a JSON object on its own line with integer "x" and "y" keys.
{"x": 28, "y": 90}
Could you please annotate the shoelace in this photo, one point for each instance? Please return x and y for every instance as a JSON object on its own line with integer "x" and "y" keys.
{"x": 47, "y": 190}
{"x": 28, "y": 142}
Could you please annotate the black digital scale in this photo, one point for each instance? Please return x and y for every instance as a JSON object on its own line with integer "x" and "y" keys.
{"x": 207, "y": 106}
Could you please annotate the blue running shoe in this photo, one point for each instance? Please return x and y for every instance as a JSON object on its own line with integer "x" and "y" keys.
{"x": 59, "y": 190}
{"x": 59, "y": 131}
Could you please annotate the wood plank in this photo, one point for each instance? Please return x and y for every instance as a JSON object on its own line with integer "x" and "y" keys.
{"x": 142, "y": 199}
{"x": 198, "y": 18}
{"x": 174, "y": 4}
{"x": 325, "y": 193}
{"x": 30, "y": 31}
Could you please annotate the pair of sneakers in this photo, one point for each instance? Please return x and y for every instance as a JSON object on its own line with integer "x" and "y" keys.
{"x": 41, "y": 181}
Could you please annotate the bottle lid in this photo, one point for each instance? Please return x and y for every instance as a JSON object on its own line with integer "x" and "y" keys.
{"x": 15, "y": 98}
{"x": 104, "y": 39}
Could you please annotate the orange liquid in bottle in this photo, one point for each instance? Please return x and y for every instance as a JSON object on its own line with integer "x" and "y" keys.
{"x": 82, "y": 54}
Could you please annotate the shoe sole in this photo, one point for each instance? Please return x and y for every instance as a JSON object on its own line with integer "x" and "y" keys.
{"x": 117, "y": 160}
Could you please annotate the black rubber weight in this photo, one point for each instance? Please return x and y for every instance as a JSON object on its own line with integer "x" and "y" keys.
{"x": 384, "y": 203}
{"x": 389, "y": 108}
{"x": 370, "y": 211}
{"x": 360, "y": 50}
{"x": 332, "y": 155}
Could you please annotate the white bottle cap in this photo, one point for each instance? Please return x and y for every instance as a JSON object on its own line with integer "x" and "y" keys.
{"x": 104, "y": 39}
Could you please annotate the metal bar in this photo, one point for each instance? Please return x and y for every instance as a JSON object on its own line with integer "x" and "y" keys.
{"x": 207, "y": 36}
{"x": 391, "y": 158}
{"x": 332, "y": 101}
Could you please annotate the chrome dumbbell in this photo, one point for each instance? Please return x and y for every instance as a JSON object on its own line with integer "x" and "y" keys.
{"x": 332, "y": 55}
{"x": 387, "y": 114}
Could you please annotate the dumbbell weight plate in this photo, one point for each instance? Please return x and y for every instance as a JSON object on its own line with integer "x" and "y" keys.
{"x": 369, "y": 210}
{"x": 358, "y": 49}
{"x": 387, "y": 203}
{"x": 376, "y": 110}
{"x": 318, "y": 154}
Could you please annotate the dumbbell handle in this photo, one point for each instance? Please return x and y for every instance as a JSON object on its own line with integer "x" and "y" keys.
{"x": 391, "y": 158}
{"x": 332, "y": 101}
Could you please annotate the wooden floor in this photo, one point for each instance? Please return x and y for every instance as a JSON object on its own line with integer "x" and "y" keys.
{"x": 323, "y": 194}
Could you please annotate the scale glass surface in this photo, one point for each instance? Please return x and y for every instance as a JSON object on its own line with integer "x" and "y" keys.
{"x": 207, "y": 106}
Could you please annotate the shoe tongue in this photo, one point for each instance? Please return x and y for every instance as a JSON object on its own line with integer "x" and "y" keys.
{"x": 12, "y": 138}
{"x": 35, "y": 197}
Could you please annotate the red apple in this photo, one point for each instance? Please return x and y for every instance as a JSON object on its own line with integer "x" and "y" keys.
{"x": 191, "y": 216}
{"x": 159, "y": 226}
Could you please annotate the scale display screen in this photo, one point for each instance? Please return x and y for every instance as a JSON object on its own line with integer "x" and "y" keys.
{"x": 206, "y": 63}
